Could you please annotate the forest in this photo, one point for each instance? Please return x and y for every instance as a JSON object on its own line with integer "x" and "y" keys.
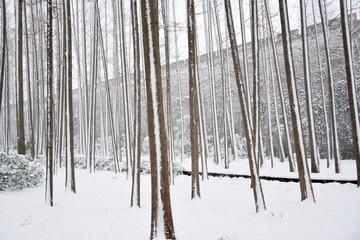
{"x": 192, "y": 112}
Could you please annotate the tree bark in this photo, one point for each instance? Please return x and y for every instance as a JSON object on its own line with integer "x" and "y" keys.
{"x": 49, "y": 142}
{"x": 194, "y": 113}
{"x": 331, "y": 91}
{"x": 135, "y": 189}
{"x": 257, "y": 188}
{"x": 19, "y": 69}
{"x": 282, "y": 100}
{"x": 160, "y": 192}
{"x": 351, "y": 85}
{"x": 70, "y": 114}
{"x": 303, "y": 170}
{"x": 3, "y": 50}
{"x": 309, "y": 108}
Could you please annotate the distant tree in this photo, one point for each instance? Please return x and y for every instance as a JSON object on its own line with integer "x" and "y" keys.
{"x": 70, "y": 164}
{"x": 322, "y": 88}
{"x": 309, "y": 108}
{"x": 3, "y": 49}
{"x": 244, "y": 55}
{"x": 160, "y": 192}
{"x": 20, "y": 90}
{"x": 29, "y": 98}
{"x": 335, "y": 141}
{"x": 350, "y": 77}
{"x": 169, "y": 118}
{"x": 125, "y": 87}
{"x": 179, "y": 82}
{"x": 49, "y": 117}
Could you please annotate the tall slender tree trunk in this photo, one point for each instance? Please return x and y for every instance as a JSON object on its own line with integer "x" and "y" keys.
{"x": 49, "y": 142}
{"x": 256, "y": 183}
{"x": 30, "y": 116}
{"x": 328, "y": 149}
{"x": 335, "y": 142}
{"x": 179, "y": 83}
{"x": 268, "y": 90}
{"x": 281, "y": 94}
{"x": 161, "y": 215}
{"x": 107, "y": 89}
{"x": 194, "y": 113}
{"x": 351, "y": 85}
{"x": 230, "y": 107}
{"x": 255, "y": 79}
{"x": 244, "y": 55}
{"x": 169, "y": 120}
{"x": 86, "y": 91}
{"x": 70, "y": 126}
{"x": 302, "y": 164}
{"x": 125, "y": 90}
{"x": 135, "y": 189}
{"x": 20, "y": 90}
{"x": 309, "y": 108}
{"x": 3, "y": 50}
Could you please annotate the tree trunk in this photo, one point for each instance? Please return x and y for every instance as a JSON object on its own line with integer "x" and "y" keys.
{"x": 49, "y": 142}
{"x": 303, "y": 170}
{"x": 257, "y": 188}
{"x": 244, "y": 55}
{"x": 282, "y": 100}
{"x": 331, "y": 91}
{"x": 70, "y": 114}
{"x": 309, "y": 108}
{"x": 328, "y": 149}
{"x": 135, "y": 188}
{"x": 194, "y": 113}
{"x": 179, "y": 82}
{"x": 19, "y": 69}
{"x": 160, "y": 192}
{"x": 3, "y": 50}
{"x": 125, "y": 90}
{"x": 351, "y": 85}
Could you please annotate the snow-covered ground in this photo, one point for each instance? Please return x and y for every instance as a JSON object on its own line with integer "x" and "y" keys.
{"x": 101, "y": 210}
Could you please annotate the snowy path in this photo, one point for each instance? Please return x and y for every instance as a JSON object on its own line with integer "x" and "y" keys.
{"x": 100, "y": 210}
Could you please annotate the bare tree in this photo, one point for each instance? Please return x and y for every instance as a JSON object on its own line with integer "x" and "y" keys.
{"x": 302, "y": 164}
{"x": 179, "y": 82}
{"x": 49, "y": 139}
{"x": 194, "y": 114}
{"x": 335, "y": 142}
{"x": 3, "y": 50}
{"x": 70, "y": 166}
{"x": 281, "y": 94}
{"x": 256, "y": 183}
{"x": 135, "y": 189}
{"x": 351, "y": 85}
{"x": 309, "y": 108}
{"x": 20, "y": 90}
{"x": 322, "y": 88}
{"x": 161, "y": 215}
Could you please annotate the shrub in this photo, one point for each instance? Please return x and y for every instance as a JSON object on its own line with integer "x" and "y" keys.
{"x": 19, "y": 171}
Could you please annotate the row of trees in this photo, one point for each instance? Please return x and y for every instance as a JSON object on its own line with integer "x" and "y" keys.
{"x": 109, "y": 68}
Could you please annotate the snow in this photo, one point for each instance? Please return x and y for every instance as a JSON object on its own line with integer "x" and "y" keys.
{"x": 101, "y": 210}
{"x": 281, "y": 169}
